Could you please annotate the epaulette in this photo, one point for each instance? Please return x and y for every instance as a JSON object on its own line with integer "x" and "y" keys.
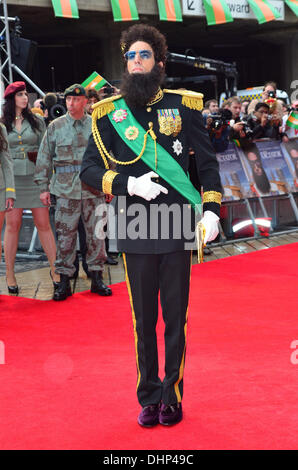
{"x": 104, "y": 106}
{"x": 191, "y": 99}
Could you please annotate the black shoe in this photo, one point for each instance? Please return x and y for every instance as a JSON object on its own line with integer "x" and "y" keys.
{"x": 111, "y": 261}
{"x": 62, "y": 290}
{"x": 149, "y": 416}
{"x": 97, "y": 284}
{"x": 170, "y": 414}
{"x": 12, "y": 289}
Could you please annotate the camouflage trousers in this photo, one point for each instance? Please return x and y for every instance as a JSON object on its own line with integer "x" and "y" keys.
{"x": 67, "y": 216}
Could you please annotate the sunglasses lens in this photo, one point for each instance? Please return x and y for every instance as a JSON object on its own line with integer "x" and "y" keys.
{"x": 145, "y": 54}
{"x": 130, "y": 55}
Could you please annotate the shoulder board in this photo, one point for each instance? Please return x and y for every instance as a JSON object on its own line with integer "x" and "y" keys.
{"x": 104, "y": 106}
{"x": 191, "y": 99}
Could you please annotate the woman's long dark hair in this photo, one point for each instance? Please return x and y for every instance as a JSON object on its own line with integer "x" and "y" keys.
{"x": 3, "y": 141}
{"x": 9, "y": 114}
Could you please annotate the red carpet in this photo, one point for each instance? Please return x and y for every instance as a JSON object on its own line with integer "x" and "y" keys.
{"x": 69, "y": 376}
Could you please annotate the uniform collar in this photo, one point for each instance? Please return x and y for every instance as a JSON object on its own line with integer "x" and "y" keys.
{"x": 74, "y": 121}
{"x": 158, "y": 96}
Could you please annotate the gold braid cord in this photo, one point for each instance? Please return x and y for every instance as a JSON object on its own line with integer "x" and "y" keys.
{"x": 107, "y": 181}
{"x": 97, "y": 114}
{"x": 212, "y": 196}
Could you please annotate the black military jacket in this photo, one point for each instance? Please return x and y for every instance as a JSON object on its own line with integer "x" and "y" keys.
{"x": 145, "y": 234}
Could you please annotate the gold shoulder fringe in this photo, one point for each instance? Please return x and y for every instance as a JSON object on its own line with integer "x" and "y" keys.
{"x": 191, "y": 99}
{"x": 104, "y": 106}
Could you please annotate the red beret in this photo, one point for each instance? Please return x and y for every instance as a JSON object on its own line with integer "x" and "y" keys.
{"x": 14, "y": 88}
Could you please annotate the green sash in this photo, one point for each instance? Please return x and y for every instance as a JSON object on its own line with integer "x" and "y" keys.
{"x": 167, "y": 167}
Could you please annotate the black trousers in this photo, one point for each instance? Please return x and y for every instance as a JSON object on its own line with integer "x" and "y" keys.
{"x": 148, "y": 276}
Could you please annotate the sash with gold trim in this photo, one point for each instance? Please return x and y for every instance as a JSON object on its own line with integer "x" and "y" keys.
{"x": 167, "y": 167}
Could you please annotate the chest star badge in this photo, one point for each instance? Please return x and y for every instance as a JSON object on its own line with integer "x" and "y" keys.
{"x": 131, "y": 133}
{"x": 177, "y": 147}
{"x": 119, "y": 115}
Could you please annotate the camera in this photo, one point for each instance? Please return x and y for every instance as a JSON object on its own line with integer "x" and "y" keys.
{"x": 221, "y": 119}
{"x": 248, "y": 131}
{"x": 271, "y": 94}
{"x": 108, "y": 91}
{"x": 55, "y": 104}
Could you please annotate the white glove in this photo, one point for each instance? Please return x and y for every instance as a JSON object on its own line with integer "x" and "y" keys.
{"x": 144, "y": 187}
{"x": 210, "y": 222}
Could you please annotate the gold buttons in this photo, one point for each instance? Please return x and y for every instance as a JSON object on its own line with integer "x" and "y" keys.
{"x": 149, "y": 110}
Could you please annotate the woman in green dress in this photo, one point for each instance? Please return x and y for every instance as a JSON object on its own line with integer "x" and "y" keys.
{"x": 25, "y": 131}
{"x": 7, "y": 189}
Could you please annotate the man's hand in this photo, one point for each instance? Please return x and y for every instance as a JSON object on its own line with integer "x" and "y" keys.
{"x": 264, "y": 120}
{"x": 210, "y": 223}
{"x": 9, "y": 204}
{"x": 144, "y": 187}
{"x": 45, "y": 198}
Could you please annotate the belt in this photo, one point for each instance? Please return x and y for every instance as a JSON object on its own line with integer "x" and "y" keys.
{"x": 68, "y": 169}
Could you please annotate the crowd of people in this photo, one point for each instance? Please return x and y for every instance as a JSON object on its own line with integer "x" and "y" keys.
{"x": 26, "y": 130}
{"x": 245, "y": 120}
{"x": 25, "y": 143}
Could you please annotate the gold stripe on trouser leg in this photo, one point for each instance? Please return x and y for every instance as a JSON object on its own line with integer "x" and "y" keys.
{"x": 133, "y": 318}
{"x": 181, "y": 368}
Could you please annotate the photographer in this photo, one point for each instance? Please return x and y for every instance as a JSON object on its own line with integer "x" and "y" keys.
{"x": 261, "y": 124}
{"x": 218, "y": 128}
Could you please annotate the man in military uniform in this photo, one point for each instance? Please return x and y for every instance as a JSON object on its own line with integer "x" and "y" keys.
{"x": 61, "y": 151}
{"x": 145, "y": 129}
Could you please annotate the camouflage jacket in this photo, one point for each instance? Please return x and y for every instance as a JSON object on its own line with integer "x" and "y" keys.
{"x": 60, "y": 157}
{"x": 6, "y": 170}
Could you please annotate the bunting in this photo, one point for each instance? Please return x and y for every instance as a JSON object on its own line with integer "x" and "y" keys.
{"x": 293, "y": 4}
{"x": 293, "y": 120}
{"x": 217, "y": 12}
{"x": 169, "y": 10}
{"x": 65, "y": 8}
{"x": 94, "y": 81}
{"x": 124, "y": 10}
{"x": 263, "y": 10}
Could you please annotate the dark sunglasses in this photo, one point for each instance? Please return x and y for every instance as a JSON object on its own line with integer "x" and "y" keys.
{"x": 144, "y": 54}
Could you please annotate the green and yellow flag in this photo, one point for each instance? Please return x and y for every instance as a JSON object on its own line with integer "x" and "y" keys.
{"x": 124, "y": 10}
{"x": 263, "y": 10}
{"x": 217, "y": 12}
{"x": 293, "y": 4}
{"x": 65, "y": 8}
{"x": 169, "y": 10}
{"x": 293, "y": 120}
{"x": 95, "y": 81}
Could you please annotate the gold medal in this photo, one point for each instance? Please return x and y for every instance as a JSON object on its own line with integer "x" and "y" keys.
{"x": 170, "y": 122}
{"x": 131, "y": 133}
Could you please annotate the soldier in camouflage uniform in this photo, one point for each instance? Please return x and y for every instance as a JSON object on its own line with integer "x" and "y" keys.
{"x": 57, "y": 172}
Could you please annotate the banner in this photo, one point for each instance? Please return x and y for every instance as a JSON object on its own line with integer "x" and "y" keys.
{"x": 65, "y": 8}
{"x": 263, "y": 10}
{"x": 124, "y": 10}
{"x": 217, "y": 12}
{"x": 95, "y": 81}
{"x": 169, "y": 10}
{"x": 240, "y": 9}
{"x": 267, "y": 168}
{"x": 290, "y": 151}
{"x": 234, "y": 180}
{"x": 293, "y": 4}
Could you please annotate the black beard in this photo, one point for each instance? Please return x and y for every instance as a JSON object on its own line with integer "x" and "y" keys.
{"x": 139, "y": 88}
